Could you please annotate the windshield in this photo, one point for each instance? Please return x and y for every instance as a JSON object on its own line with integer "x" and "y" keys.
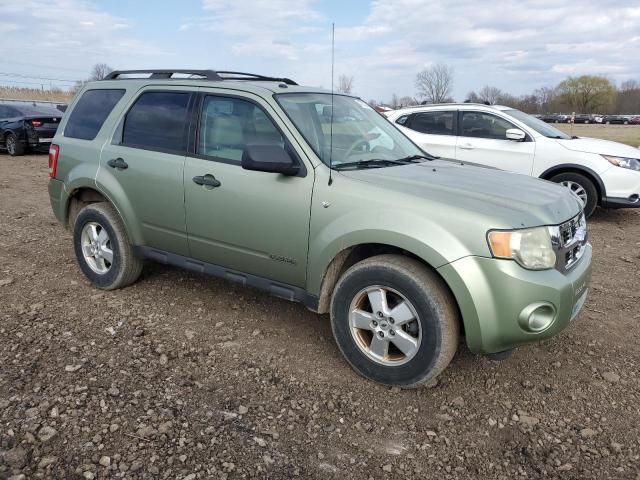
{"x": 358, "y": 133}
{"x": 538, "y": 125}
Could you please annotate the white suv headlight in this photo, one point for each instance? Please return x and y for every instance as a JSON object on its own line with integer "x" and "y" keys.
{"x": 531, "y": 247}
{"x": 624, "y": 162}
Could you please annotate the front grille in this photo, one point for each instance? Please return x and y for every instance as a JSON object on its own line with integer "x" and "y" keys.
{"x": 569, "y": 241}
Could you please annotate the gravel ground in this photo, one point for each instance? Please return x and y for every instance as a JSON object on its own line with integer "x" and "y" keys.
{"x": 186, "y": 377}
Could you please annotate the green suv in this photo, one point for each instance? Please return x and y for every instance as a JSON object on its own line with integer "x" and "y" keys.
{"x": 318, "y": 199}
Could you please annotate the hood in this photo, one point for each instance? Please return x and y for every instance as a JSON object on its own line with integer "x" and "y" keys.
{"x": 602, "y": 147}
{"x": 506, "y": 200}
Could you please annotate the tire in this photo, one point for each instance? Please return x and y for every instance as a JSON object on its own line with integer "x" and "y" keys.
{"x": 98, "y": 230}
{"x": 577, "y": 181}
{"x": 435, "y": 328}
{"x": 13, "y": 145}
{"x": 607, "y": 122}
{"x": 625, "y": 123}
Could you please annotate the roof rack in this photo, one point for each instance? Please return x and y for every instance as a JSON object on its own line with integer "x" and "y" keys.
{"x": 168, "y": 74}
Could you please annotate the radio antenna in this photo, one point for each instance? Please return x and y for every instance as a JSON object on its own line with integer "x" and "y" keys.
{"x": 333, "y": 44}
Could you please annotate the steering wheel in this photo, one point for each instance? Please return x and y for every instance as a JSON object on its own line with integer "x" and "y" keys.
{"x": 356, "y": 144}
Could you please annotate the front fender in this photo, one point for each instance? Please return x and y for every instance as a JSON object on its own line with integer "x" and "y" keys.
{"x": 409, "y": 231}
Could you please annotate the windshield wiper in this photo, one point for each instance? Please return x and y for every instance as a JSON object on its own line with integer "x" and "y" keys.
{"x": 373, "y": 163}
{"x": 558, "y": 137}
{"x": 416, "y": 158}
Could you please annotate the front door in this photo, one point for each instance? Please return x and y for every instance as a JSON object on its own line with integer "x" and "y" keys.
{"x": 252, "y": 222}
{"x": 482, "y": 139}
{"x": 143, "y": 167}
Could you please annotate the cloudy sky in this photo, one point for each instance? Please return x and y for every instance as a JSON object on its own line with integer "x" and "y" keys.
{"x": 515, "y": 45}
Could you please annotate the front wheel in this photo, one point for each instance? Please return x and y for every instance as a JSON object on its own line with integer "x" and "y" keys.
{"x": 395, "y": 321}
{"x": 582, "y": 187}
{"x": 102, "y": 248}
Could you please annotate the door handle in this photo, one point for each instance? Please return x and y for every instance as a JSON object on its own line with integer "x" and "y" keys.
{"x": 467, "y": 146}
{"x": 118, "y": 163}
{"x": 207, "y": 180}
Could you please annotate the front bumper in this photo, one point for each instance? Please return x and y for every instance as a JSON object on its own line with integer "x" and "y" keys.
{"x": 622, "y": 187}
{"x": 492, "y": 295}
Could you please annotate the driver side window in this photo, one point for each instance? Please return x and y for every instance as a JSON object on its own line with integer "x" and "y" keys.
{"x": 228, "y": 125}
{"x": 484, "y": 125}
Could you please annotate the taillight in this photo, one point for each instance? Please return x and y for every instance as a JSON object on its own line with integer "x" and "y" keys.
{"x": 54, "y": 152}
{"x": 36, "y": 123}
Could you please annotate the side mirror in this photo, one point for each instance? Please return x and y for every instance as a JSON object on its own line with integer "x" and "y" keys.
{"x": 515, "y": 134}
{"x": 269, "y": 158}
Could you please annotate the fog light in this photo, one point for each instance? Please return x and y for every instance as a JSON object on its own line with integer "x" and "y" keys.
{"x": 537, "y": 317}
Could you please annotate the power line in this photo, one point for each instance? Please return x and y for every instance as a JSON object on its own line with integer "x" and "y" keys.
{"x": 20, "y": 75}
{"x": 41, "y": 84}
{"x": 52, "y": 67}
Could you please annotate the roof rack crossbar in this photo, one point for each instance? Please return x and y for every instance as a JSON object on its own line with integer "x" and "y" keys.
{"x": 206, "y": 74}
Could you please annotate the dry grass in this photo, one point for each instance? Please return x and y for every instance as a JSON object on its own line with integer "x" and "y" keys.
{"x": 35, "y": 94}
{"x": 629, "y": 134}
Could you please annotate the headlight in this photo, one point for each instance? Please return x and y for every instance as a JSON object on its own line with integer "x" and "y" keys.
{"x": 624, "y": 162}
{"x": 531, "y": 247}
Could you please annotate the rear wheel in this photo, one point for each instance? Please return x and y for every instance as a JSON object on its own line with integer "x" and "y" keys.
{"x": 14, "y": 147}
{"x": 583, "y": 187}
{"x": 395, "y": 321}
{"x": 102, "y": 248}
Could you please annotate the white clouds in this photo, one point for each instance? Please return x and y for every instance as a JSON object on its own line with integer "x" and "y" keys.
{"x": 74, "y": 33}
{"x": 269, "y": 28}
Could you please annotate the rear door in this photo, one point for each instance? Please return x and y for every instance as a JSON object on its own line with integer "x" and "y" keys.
{"x": 252, "y": 222}
{"x": 143, "y": 166}
{"x": 433, "y": 131}
{"x": 482, "y": 140}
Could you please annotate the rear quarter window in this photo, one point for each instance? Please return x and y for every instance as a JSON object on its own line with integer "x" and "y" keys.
{"x": 90, "y": 112}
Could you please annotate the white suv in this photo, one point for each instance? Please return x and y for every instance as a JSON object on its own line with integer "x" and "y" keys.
{"x": 600, "y": 172}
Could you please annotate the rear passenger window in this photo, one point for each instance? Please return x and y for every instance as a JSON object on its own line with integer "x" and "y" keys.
{"x": 158, "y": 121}
{"x": 434, "y": 123}
{"x": 227, "y": 125}
{"x": 90, "y": 112}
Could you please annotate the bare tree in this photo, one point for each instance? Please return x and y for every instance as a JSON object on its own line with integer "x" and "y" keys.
{"x": 489, "y": 94}
{"x": 395, "y": 101}
{"x": 345, "y": 84}
{"x": 100, "y": 71}
{"x": 434, "y": 84}
{"x": 407, "y": 101}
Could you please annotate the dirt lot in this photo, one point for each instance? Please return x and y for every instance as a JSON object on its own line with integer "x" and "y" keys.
{"x": 186, "y": 377}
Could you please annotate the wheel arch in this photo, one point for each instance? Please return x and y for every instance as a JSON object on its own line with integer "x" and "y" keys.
{"x": 351, "y": 255}
{"x": 83, "y": 195}
{"x": 581, "y": 169}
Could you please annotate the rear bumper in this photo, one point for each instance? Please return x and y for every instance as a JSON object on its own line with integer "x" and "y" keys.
{"x": 493, "y": 295}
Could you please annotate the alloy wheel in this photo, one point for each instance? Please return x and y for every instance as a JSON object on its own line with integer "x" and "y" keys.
{"x": 577, "y": 189}
{"x": 11, "y": 144}
{"x": 385, "y": 326}
{"x": 96, "y": 247}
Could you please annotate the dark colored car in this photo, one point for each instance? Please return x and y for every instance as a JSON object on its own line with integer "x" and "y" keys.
{"x": 619, "y": 119}
{"x": 635, "y": 120}
{"x": 24, "y": 127}
{"x": 584, "y": 118}
{"x": 554, "y": 118}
